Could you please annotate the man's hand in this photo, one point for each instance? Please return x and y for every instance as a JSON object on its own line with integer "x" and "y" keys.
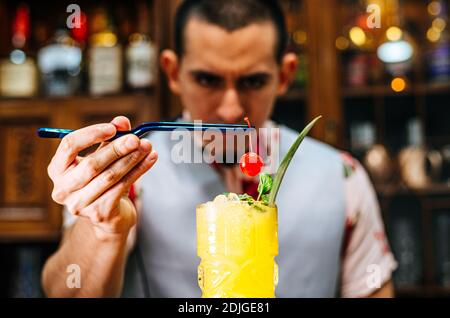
{"x": 386, "y": 291}
{"x": 96, "y": 186}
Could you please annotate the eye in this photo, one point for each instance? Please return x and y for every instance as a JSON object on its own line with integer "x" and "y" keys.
{"x": 252, "y": 82}
{"x": 208, "y": 80}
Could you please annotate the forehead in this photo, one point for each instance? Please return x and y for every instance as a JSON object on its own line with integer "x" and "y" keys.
{"x": 247, "y": 49}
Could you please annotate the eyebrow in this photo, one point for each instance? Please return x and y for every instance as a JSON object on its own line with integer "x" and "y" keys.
{"x": 196, "y": 73}
{"x": 259, "y": 75}
{"x": 264, "y": 75}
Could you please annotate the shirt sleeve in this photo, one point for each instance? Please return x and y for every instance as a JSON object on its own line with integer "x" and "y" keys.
{"x": 367, "y": 261}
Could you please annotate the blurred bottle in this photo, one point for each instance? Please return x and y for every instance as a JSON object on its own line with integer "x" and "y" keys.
{"x": 445, "y": 151}
{"x": 80, "y": 35}
{"x": 141, "y": 54}
{"x": 438, "y": 36}
{"x": 397, "y": 48}
{"x": 362, "y": 135}
{"x": 60, "y": 64}
{"x": 442, "y": 246}
{"x": 18, "y": 71}
{"x": 419, "y": 166}
{"x": 411, "y": 158}
{"x": 297, "y": 38}
{"x": 404, "y": 213}
{"x": 105, "y": 55}
{"x": 357, "y": 44}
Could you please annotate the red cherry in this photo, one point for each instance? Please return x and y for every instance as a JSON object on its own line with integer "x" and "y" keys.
{"x": 251, "y": 164}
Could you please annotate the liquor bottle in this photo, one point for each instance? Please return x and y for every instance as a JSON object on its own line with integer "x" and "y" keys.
{"x": 356, "y": 43}
{"x": 442, "y": 247}
{"x": 141, "y": 54}
{"x": 60, "y": 64}
{"x": 297, "y": 39}
{"x": 80, "y": 35}
{"x": 104, "y": 55}
{"x": 438, "y": 36}
{"x": 397, "y": 50}
{"x": 18, "y": 71}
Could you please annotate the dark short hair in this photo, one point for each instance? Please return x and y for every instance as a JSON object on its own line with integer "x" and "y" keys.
{"x": 231, "y": 15}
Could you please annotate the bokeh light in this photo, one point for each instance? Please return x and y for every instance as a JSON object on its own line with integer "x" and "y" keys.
{"x": 434, "y": 8}
{"x": 342, "y": 43}
{"x": 433, "y": 34}
{"x": 358, "y": 36}
{"x": 439, "y": 24}
{"x": 394, "y": 33}
{"x": 398, "y": 84}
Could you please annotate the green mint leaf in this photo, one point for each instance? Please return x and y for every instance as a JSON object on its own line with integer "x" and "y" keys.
{"x": 265, "y": 183}
{"x": 246, "y": 197}
{"x": 265, "y": 199}
{"x": 287, "y": 160}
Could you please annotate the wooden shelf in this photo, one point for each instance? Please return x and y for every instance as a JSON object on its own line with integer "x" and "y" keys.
{"x": 434, "y": 88}
{"x": 433, "y": 189}
{"x": 373, "y": 91}
{"x": 44, "y": 106}
{"x": 386, "y": 91}
{"x": 72, "y": 98}
{"x": 41, "y": 217}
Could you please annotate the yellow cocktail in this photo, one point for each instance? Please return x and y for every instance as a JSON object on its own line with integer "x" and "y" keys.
{"x": 237, "y": 243}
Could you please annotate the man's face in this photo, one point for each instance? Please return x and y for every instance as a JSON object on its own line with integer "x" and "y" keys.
{"x": 224, "y": 76}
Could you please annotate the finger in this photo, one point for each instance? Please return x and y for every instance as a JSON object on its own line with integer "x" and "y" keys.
{"x": 103, "y": 209}
{"x": 77, "y": 141}
{"x": 107, "y": 179}
{"x": 121, "y": 123}
{"x": 94, "y": 164}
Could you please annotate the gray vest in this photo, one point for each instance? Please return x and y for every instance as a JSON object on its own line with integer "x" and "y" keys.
{"x": 311, "y": 223}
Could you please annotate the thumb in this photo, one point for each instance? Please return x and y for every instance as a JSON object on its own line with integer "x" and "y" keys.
{"x": 122, "y": 123}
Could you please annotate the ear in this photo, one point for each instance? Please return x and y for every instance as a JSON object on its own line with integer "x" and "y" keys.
{"x": 170, "y": 65}
{"x": 288, "y": 68}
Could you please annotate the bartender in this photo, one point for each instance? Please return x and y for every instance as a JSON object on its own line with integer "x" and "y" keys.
{"x": 229, "y": 62}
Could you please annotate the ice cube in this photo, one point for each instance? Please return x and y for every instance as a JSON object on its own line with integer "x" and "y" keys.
{"x": 220, "y": 199}
{"x": 233, "y": 197}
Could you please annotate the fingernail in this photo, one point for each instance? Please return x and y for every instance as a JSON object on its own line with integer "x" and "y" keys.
{"x": 153, "y": 155}
{"x": 131, "y": 142}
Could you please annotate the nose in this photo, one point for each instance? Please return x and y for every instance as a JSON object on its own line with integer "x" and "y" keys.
{"x": 230, "y": 110}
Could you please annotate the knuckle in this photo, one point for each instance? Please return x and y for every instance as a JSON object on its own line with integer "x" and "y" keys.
{"x": 123, "y": 186}
{"x": 67, "y": 144}
{"x": 109, "y": 176}
{"x": 116, "y": 150}
{"x": 50, "y": 170}
{"x": 134, "y": 157}
{"x": 92, "y": 165}
{"x": 58, "y": 195}
{"x": 95, "y": 214}
{"x": 73, "y": 207}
